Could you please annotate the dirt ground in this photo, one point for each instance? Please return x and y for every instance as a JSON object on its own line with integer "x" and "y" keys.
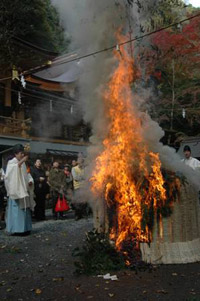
{"x": 40, "y": 267}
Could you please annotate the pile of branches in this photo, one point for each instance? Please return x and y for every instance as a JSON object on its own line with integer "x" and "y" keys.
{"x": 99, "y": 255}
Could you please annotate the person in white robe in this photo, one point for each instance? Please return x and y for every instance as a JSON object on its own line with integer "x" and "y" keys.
{"x": 17, "y": 182}
{"x": 189, "y": 160}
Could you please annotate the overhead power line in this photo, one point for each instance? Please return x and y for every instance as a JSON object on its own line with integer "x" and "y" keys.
{"x": 114, "y": 46}
{"x": 136, "y": 38}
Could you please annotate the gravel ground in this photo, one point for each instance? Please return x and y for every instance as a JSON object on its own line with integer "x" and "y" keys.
{"x": 40, "y": 267}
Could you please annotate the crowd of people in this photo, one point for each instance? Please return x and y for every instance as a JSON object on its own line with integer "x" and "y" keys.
{"x": 27, "y": 189}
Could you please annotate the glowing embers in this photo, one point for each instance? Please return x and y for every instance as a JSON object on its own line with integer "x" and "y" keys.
{"x": 127, "y": 174}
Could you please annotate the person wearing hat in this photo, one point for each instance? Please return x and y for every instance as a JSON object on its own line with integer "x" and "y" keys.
{"x": 17, "y": 182}
{"x": 189, "y": 160}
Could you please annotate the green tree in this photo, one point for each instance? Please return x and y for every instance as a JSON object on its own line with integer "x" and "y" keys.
{"x": 157, "y": 13}
{"x": 165, "y": 12}
{"x": 34, "y": 21}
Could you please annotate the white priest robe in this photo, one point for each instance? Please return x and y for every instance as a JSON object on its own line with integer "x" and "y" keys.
{"x": 18, "y": 214}
{"x": 17, "y": 184}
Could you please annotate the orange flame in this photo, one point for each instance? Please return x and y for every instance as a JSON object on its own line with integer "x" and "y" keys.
{"x": 126, "y": 165}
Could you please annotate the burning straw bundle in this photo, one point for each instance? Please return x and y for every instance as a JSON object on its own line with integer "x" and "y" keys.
{"x": 177, "y": 238}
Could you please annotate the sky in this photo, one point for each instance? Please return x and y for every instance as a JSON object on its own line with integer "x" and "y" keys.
{"x": 195, "y": 3}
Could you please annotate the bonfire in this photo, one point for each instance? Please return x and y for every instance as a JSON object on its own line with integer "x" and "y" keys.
{"x": 127, "y": 173}
{"x": 148, "y": 212}
{"x": 128, "y": 176}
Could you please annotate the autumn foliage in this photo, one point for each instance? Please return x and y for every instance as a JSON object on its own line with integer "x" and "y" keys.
{"x": 182, "y": 45}
{"x": 172, "y": 63}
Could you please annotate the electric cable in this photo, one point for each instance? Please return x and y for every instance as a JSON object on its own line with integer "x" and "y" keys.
{"x": 128, "y": 41}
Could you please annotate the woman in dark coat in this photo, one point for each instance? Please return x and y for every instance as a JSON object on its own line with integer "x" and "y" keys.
{"x": 41, "y": 187}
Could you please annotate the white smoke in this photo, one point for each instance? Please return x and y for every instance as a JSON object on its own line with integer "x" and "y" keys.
{"x": 92, "y": 26}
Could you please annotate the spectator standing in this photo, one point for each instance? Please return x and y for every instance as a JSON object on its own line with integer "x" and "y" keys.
{"x": 40, "y": 190}
{"x": 68, "y": 175}
{"x": 2, "y": 196}
{"x": 74, "y": 163}
{"x": 17, "y": 181}
{"x": 78, "y": 174}
{"x": 189, "y": 160}
{"x": 57, "y": 182}
{"x": 69, "y": 182}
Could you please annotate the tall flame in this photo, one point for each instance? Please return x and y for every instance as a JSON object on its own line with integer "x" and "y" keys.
{"x": 127, "y": 173}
